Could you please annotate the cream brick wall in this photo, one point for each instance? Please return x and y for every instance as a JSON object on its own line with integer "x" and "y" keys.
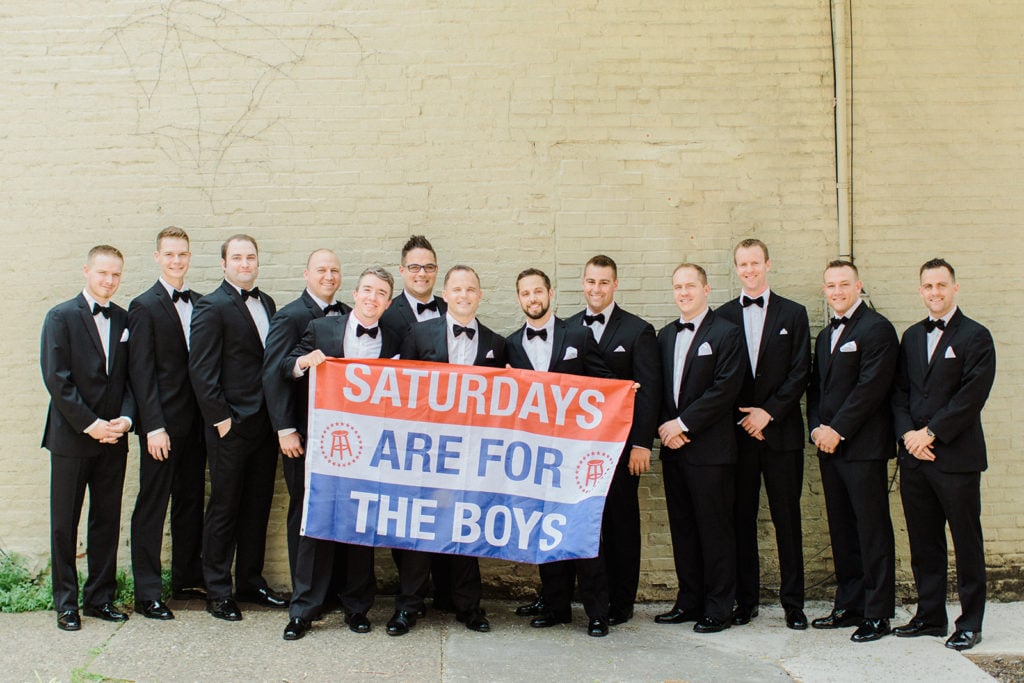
{"x": 513, "y": 135}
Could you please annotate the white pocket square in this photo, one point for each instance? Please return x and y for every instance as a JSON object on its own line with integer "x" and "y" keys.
{"x": 124, "y": 335}
{"x": 619, "y": 349}
{"x": 704, "y": 349}
{"x": 783, "y": 331}
{"x": 570, "y": 353}
{"x": 397, "y": 356}
{"x": 949, "y": 352}
{"x": 848, "y": 347}
{"x": 490, "y": 353}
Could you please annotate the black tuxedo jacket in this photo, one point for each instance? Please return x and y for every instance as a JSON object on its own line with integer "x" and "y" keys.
{"x": 75, "y": 374}
{"x": 158, "y": 364}
{"x": 585, "y": 359}
{"x": 399, "y": 316}
{"x": 630, "y": 349}
{"x": 947, "y": 394}
{"x": 287, "y": 402}
{"x": 783, "y": 368}
{"x": 850, "y": 389}
{"x": 428, "y": 340}
{"x": 328, "y": 335}
{"x": 226, "y": 359}
{"x": 707, "y": 393}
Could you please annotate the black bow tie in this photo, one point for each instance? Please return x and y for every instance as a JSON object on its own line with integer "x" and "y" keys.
{"x": 836, "y": 323}
{"x": 371, "y": 331}
{"x": 97, "y": 309}
{"x": 680, "y": 326}
{"x": 432, "y": 306}
{"x": 459, "y": 329}
{"x": 747, "y": 301}
{"x": 591, "y": 319}
{"x": 334, "y": 308}
{"x": 185, "y": 295}
{"x": 253, "y": 293}
{"x": 531, "y": 333}
{"x": 930, "y": 325}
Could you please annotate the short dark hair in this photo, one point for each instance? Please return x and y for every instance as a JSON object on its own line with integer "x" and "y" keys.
{"x": 602, "y": 261}
{"x": 842, "y": 263}
{"x": 417, "y": 242}
{"x": 533, "y": 271}
{"x": 747, "y": 244}
{"x": 104, "y": 250}
{"x": 701, "y": 273}
{"x": 937, "y": 263}
{"x": 171, "y": 232}
{"x": 459, "y": 267}
{"x": 379, "y": 272}
{"x": 239, "y": 237}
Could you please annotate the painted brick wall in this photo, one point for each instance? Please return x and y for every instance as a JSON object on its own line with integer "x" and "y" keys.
{"x": 514, "y": 136}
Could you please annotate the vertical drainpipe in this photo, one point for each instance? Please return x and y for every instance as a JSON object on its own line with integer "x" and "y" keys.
{"x": 840, "y": 20}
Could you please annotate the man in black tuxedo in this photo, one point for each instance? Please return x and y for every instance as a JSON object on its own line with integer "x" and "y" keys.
{"x": 229, "y": 327}
{"x": 769, "y": 431}
{"x": 630, "y": 349}
{"x": 851, "y": 425}
{"x": 458, "y": 337}
{"x": 354, "y": 334}
{"x": 84, "y": 361}
{"x": 946, "y": 369}
{"x": 702, "y": 368}
{"x": 287, "y": 400}
{"x": 549, "y": 344}
{"x": 172, "y": 458}
{"x": 416, "y": 303}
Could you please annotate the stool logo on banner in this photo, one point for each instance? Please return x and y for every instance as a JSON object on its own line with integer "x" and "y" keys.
{"x": 340, "y": 444}
{"x": 593, "y": 470}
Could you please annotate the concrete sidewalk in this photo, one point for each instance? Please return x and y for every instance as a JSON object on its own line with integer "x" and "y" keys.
{"x": 196, "y": 647}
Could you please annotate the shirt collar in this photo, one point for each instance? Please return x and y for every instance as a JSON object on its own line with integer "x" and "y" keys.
{"x": 607, "y": 312}
{"x": 92, "y": 302}
{"x": 766, "y": 293}
{"x": 170, "y": 289}
{"x": 319, "y": 302}
{"x": 849, "y": 313}
{"x": 698, "y": 319}
{"x": 452, "y": 321}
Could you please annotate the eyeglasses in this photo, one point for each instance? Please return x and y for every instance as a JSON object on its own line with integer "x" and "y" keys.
{"x": 417, "y": 267}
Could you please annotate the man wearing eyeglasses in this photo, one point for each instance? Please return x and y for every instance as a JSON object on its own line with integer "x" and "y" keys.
{"x": 416, "y": 303}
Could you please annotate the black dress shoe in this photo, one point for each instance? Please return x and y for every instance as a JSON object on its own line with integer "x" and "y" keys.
{"x": 400, "y": 623}
{"x": 963, "y": 640}
{"x": 677, "y": 616}
{"x": 106, "y": 612}
{"x": 619, "y": 616}
{"x": 549, "y": 619}
{"x": 358, "y": 622}
{"x": 710, "y": 625}
{"x": 225, "y": 608}
{"x": 190, "y": 593}
{"x": 534, "y": 609}
{"x": 743, "y": 615}
{"x": 264, "y": 596}
{"x": 153, "y": 609}
{"x": 598, "y": 627}
{"x": 68, "y": 620}
{"x": 796, "y": 619}
{"x": 871, "y": 629}
{"x": 918, "y": 627}
{"x": 475, "y": 620}
{"x": 295, "y": 629}
{"x": 838, "y": 618}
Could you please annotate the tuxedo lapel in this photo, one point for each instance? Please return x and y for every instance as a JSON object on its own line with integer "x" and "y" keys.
{"x": 440, "y": 338}
{"x": 771, "y": 315}
{"x": 557, "y": 344}
{"x": 483, "y": 345}
{"x": 848, "y": 330}
{"x": 118, "y": 324}
{"x": 240, "y": 304}
{"x": 90, "y": 326}
{"x": 944, "y": 341}
{"x": 169, "y": 309}
{"x": 698, "y": 338}
{"x": 337, "y": 334}
{"x": 610, "y": 330}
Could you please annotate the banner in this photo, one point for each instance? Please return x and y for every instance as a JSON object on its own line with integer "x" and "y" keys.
{"x": 513, "y": 464}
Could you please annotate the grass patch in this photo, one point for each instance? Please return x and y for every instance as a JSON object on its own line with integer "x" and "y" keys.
{"x": 23, "y": 591}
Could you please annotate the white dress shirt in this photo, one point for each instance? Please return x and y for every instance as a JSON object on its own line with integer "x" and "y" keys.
{"x": 597, "y": 328}
{"x": 184, "y": 309}
{"x": 428, "y": 314}
{"x": 753, "y": 326}
{"x": 936, "y": 334}
{"x": 684, "y": 339}
{"x": 462, "y": 350}
{"x": 539, "y": 350}
{"x": 837, "y": 332}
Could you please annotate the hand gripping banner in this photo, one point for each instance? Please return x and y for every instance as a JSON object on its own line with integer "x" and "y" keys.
{"x": 512, "y": 464}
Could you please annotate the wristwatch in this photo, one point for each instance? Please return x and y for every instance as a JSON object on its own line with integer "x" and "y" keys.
{"x": 929, "y": 432}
